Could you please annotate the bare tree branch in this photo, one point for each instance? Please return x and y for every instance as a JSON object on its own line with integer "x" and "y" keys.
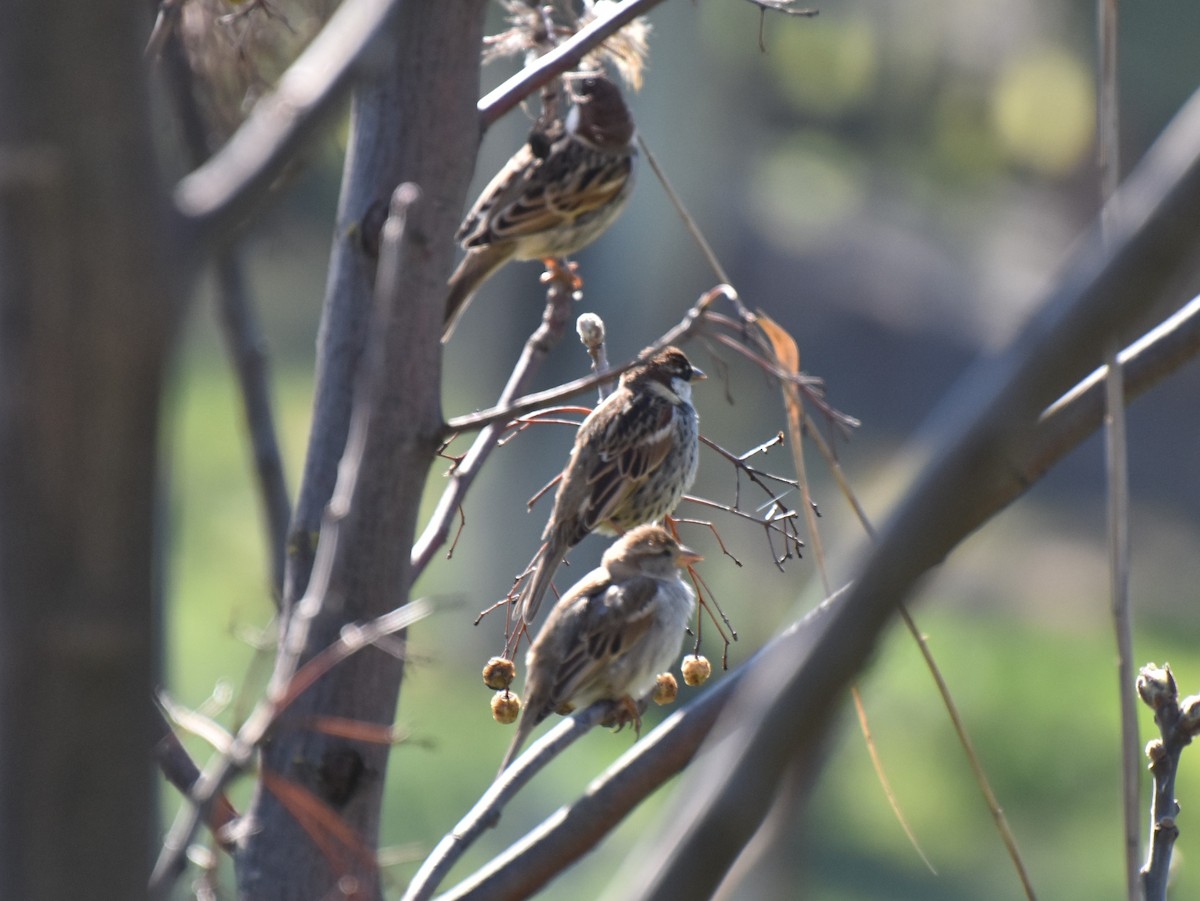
{"x": 217, "y": 195}
{"x": 539, "y": 344}
{"x": 181, "y": 771}
{"x": 1116, "y": 460}
{"x": 787, "y": 705}
{"x": 1178, "y": 723}
{"x": 239, "y": 322}
{"x": 246, "y": 345}
{"x": 566, "y": 56}
{"x": 485, "y": 814}
{"x": 692, "y": 321}
{"x": 332, "y": 554}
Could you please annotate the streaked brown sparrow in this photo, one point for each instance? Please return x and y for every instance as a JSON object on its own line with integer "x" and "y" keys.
{"x": 556, "y": 195}
{"x": 634, "y": 457}
{"x": 611, "y": 634}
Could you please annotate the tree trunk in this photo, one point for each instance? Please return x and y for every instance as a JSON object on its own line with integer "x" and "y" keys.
{"x": 87, "y": 308}
{"x": 414, "y": 123}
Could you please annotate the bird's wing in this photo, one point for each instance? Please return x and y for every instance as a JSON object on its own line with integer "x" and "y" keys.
{"x": 623, "y": 455}
{"x": 532, "y": 196}
{"x": 478, "y": 228}
{"x": 604, "y": 626}
{"x": 578, "y": 180}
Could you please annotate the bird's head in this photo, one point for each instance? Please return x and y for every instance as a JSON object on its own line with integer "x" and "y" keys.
{"x": 598, "y": 115}
{"x": 671, "y": 369}
{"x": 648, "y": 550}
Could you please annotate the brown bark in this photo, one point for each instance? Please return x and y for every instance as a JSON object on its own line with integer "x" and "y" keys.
{"x": 417, "y": 123}
{"x": 86, "y": 312}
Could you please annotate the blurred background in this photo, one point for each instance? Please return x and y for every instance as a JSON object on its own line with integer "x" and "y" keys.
{"x": 896, "y": 184}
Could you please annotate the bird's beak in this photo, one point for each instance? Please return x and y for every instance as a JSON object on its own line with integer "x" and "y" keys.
{"x": 686, "y": 556}
{"x": 698, "y": 374}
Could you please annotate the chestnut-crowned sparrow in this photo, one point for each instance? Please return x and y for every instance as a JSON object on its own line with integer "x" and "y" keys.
{"x": 634, "y": 457}
{"x": 612, "y": 633}
{"x": 556, "y": 195}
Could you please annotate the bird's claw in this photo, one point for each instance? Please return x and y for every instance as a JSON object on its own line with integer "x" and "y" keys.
{"x": 625, "y": 711}
{"x": 564, "y": 272}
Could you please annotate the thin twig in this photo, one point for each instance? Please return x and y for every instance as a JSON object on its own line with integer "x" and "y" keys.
{"x": 590, "y": 329}
{"x": 964, "y": 739}
{"x": 688, "y": 222}
{"x": 1116, "y": 448}
{"x": 1178, "y": 724}
{"x": 240, "y": 324}
{"x": 864, "y": 726}
{"x": 247, "y": 348}
{"x": 692, "y": 321}
{"x": 539, "y": 344}
{"x": 1116, "y": 461}
{"x": 563, "y": 57}
{"x": 181, "y": 771}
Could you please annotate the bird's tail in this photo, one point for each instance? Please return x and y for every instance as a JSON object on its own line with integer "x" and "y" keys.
{"x": 547, "y": 562}
{"x": 476, "y": 267}
{"x": 523, "y": 729}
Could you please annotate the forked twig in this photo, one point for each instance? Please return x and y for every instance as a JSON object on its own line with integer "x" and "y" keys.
{"x": 537, "y": 347}
{"x": 1178, "y": 723}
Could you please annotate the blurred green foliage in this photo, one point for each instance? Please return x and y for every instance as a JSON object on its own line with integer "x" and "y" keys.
{"x": 895, "y": 184}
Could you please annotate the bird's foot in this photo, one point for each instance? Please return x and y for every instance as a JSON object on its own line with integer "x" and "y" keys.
{"x": 625, "y": 711}
{"x": 562, "y": 272}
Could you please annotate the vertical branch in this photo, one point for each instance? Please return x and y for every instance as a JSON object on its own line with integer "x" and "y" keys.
{"x": 1116, "y": 453}
{"x": 247, "y": 348}
{"x": 415, "y": 122}
{"x": 239, "y": 326}
{"x": 1178, "y": 724}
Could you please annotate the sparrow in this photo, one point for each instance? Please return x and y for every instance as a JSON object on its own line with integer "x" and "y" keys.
{"x": 634, "y": 457}
{"x": 611, "y": 634}
{"x": 556, "y": 195}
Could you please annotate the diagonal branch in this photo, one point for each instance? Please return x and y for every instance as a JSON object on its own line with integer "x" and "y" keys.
{"x": 563, "y": 57}
{"x": 692, "y": 321}
{"x": 219, "y": 194}
{"x": 1103, "y": 297}
{"x": 664, "y": 752}
{"x": 486, "y": 812}
{"x": 538, "y": 345}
